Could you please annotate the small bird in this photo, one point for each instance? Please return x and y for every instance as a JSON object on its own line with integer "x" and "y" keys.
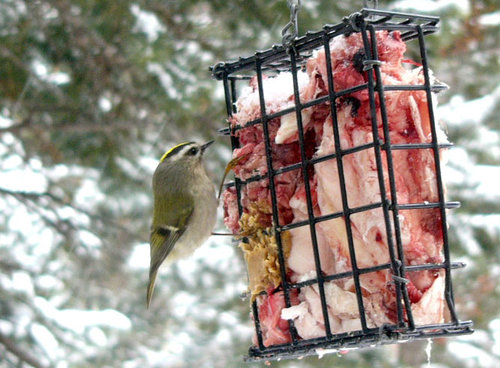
{"x": 185, "y": 206}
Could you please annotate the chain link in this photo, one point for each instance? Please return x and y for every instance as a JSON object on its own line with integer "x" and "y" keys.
{"x": 290, "y": 31}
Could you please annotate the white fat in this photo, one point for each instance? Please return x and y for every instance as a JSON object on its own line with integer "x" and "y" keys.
{"x": 288, "y": 125}
{"x": 429, "y": 309}
{"x": 278, "y": 91}
{"x": 294, "y": 312}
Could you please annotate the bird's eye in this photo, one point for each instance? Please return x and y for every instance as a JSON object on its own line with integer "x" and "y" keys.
{"x": 193, "y": 151}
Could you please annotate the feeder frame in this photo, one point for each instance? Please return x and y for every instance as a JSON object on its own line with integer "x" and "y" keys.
{"x": 290, "y": 57}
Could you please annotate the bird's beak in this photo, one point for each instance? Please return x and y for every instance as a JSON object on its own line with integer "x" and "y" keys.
{"x": 205, "y": 146}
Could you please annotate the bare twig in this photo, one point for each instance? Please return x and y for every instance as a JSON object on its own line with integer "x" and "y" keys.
{"x": 36, "y": 197}
{"x": 26, "y": 357}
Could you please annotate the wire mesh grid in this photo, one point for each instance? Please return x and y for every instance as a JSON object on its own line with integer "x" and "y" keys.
{"x": 277, "y": 59}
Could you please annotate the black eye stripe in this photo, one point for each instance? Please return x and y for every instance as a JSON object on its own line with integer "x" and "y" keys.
{"x": 180, "y": 147}
{"x": 192, "y": 151}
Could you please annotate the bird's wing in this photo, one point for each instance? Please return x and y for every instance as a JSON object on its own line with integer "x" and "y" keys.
{"x": 162, "y": 241}
{"x": 164, "y": 237}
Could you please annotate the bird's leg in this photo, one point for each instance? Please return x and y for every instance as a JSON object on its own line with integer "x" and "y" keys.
{"x": 222, "y": 234}
{"x": 242, "y": 234}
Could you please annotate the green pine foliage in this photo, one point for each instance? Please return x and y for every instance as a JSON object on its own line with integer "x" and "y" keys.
{"x": 93, "y": 92}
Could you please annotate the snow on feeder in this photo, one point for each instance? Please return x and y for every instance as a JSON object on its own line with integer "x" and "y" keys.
{"x": 338, "y": 194}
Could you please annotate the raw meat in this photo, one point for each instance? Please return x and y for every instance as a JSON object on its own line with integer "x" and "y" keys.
{"x": 414, "y": 173}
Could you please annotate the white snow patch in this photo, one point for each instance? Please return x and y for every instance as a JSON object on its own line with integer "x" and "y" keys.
{"x": 459, "y": 111}
{"x": 148, "y": 163}
{"x": 487, "y": 177}
{"x": 183, "y": 302}
{"x": 46, "y": 340}
{"x": 5, "y": 122}
{"x": 490, "y": 19}
{"x": 89, "y": 239}
{"x": 21, "y": 179}
{"x": 147, "y": 23}
{"x": 44, "y": 72}
{"x": 6, "y": 327}
{"x": 429, "y": 6}
{"x": 139, "y": 257}
{"x": 22, "y": 282}
{"x": 495, "y": 328}
{"x": 97, "y": 336}
{"x": 88, "y": 194}
{"x": 49, "y": 282}
{"x": 79, "y": 320}
{"x": 105, "y": 104}
{"x": 165, "y": 79}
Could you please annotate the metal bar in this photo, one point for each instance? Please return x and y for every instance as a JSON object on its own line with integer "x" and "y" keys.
{"x": 359, "y": 339}
{"x": 258, "y": 330}
{"x": 331, "y": 216}
{"x": 385, "y": 266}
{"x": 371, "y": 206}
{"x": 399, "y": 262}
{"x": 272, "y": 189}
{"x": 402, "y": 27}
{"x": 408, "y": 146}
{"x": 448, "y": 283}
{"x": 415, "y": 87}
{"x": 340, "y": 169}
{"x": 380, "y": 172}
{"x": 313, "y": 40}
{"x": 427, "y": 205}
{"x": 310, "y": 208}
{"x": 273, "y": 61}
{"x": 230, "y": 92}
{"x": 289, "y": 110}
{"x": 394, "y": 14}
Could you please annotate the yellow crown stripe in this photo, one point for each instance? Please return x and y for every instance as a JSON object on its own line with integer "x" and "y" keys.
{"x": 173, "y": 150}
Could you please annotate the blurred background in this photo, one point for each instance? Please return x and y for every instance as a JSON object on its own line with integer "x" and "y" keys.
{"x": 91, "y": 95}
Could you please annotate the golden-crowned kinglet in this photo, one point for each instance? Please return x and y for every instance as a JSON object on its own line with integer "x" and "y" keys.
{"x": 185, "y": 206}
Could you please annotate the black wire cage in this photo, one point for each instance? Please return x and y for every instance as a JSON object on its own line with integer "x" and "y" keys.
{"x": 292, "y": 58}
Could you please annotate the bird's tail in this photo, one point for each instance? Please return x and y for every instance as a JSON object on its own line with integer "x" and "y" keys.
{"x": 151, "y": 287}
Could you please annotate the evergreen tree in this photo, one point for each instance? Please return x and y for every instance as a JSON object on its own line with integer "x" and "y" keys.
{"x": 93, "y": 92}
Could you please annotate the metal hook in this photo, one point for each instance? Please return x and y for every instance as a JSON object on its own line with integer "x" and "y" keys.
{"x": 290, "y": 31}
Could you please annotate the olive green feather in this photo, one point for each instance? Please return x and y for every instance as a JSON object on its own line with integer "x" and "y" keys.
{"x": 169, "y": 224}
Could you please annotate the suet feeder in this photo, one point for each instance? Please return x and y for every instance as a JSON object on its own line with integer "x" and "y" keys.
{"x": 292, "y": 57}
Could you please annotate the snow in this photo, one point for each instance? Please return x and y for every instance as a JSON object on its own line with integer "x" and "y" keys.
{"x": 22, "y": 282}
{"x": 49, "y": 282}
{"x": 32, "y": 177}
{"x": 4, "y": 123}
{"x": 277, "y": 90}
{"x": 89, "y": 239}
{"x": 147, "y": 23}
{"x": 105, "y": 104}
{"x": 88, "y": 194}
{"x": 490, "y": 19}
{"x": 15, "y": 177}
{"x": 165, "y": 79}
{"x": 495, "y": 327}
{"x": 432, "y": 6}
{"x": 79, "y": 320}
{"x": 459, "y": 111}
{"x": 487, "y": 180}
{"x": 44, "y": 72}
{"x": 46, "y": 340}
{"x": 97, "y": 336}
{"x": 464, "y": 348}
{"x": 139, "y": 257}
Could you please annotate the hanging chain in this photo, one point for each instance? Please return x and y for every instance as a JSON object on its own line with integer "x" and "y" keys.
{"x": 291, "y": 30}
